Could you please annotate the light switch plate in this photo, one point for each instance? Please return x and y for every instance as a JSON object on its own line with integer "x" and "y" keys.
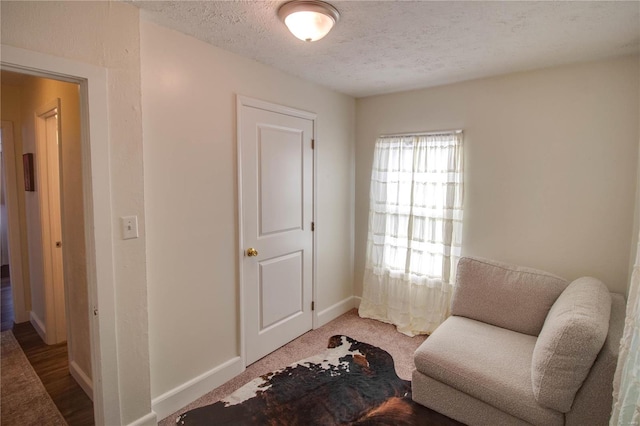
{"x": 129, "y": 227}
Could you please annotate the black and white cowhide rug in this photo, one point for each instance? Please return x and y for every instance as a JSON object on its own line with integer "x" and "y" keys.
{"x": 352, "y": 383}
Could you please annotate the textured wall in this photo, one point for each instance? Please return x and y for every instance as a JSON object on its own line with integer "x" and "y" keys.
{"x": 550, "y": 164}
{"x": 189, "y": 123}
{"x": 106, "y": 34}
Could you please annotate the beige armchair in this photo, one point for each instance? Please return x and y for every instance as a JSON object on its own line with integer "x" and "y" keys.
{"x": 522, "y": 347}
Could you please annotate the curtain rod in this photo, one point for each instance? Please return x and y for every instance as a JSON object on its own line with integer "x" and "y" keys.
{"x": 420, "y": 133}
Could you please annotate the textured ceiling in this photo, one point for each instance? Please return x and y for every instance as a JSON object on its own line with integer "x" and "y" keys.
{"x": 389, "y": 46}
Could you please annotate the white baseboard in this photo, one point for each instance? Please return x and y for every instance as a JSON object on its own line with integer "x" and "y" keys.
{"x": 82, "y": 378}
{"x": 177, "y": 398}
{"x": 334, "y": 311}
{"x": 38, "y": 325}
{"x": 147, "y": 420}
{"x": 356, "y": 301}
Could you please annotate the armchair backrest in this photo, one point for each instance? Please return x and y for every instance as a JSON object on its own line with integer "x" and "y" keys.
{"x": 504, "y": 295}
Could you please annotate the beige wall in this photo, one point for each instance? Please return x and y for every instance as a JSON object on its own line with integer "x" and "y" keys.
{"x": 11, "y": 111}
{"x": 106, "y": 34}
{"x": 550, "y": 164}
{"x": 635, "y": 241}
{"x": 189, "y": 90}
{"x": 29, "y": 103}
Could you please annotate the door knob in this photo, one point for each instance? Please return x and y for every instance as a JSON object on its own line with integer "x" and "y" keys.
{"x": 252, "y": 252}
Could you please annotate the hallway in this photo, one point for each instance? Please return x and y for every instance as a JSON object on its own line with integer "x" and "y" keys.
{"x": 50, "y": 362}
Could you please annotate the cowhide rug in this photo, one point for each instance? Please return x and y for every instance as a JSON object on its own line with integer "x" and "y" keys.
{"x": 352, "y": 383}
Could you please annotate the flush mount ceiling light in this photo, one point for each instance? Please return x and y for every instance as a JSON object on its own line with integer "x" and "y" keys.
{"x": 308, "y": 20}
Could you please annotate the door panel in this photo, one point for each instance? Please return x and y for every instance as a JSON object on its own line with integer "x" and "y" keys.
{"x": 281, "y": 182}
{"x": 276, "y": 163}
{"x": 281, "y": 284}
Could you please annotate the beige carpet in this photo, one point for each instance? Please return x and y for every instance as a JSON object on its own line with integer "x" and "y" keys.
{"x": 25, "y": 402}
{"x": 384, "y": 336}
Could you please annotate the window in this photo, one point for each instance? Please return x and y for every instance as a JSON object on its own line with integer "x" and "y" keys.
{"x": 415, "y": 225}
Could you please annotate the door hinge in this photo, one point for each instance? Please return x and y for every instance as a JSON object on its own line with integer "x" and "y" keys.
{"x": 313, "y": 306}
{"x": 313, "y": 144}
{"x": 313, "y": 226}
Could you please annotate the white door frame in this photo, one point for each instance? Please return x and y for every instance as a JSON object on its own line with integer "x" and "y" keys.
{"x": 17, "y": 265}
{"x": 268, "y": 106}
{"x": 97, "y": 208}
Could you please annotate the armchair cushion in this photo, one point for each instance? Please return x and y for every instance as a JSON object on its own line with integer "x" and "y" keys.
{"x": 571, "y": 338}
{"x": 488, "y": 363}
{"x": 503, "y": 295}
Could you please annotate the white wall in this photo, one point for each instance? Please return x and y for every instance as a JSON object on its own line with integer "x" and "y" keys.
{"x": 635, "y": 242}
{"x": 31, "y": 98}
{"x": 11, "y": 111}
{"x": 550, "y": 164}
{"x": 189, "y": 126}
{"x": 106, "y": 34}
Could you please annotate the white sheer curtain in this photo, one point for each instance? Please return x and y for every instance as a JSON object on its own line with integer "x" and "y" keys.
{"x": 626, "y": 382}
{"x": 415, "y": 227}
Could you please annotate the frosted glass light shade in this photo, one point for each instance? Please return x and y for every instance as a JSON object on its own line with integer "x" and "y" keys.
{"x": 308, "y": 26}
{"x": 309, "y": 20}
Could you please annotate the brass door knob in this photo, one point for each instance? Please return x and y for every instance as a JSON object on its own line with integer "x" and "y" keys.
{"x": 252, "y": 252}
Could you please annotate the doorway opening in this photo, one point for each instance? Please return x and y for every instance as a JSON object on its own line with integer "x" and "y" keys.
{"x": 43, "y": 176}
{"x": 98, "y": 218}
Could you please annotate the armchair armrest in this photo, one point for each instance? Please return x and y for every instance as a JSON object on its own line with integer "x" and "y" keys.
{"x": 593, "y": 402}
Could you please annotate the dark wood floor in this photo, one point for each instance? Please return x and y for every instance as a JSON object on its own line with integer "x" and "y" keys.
{"x": 50, "y": 362}
{"x": 6, "y": 309}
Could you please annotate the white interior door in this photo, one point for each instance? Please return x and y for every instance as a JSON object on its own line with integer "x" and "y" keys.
{"x": 55, "y": 221}
{"x": 276, "y": 184}
{"x": 48, "y": 132}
